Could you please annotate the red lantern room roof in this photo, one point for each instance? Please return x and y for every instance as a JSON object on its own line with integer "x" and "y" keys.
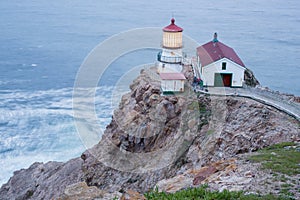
{"x": 172, "y": 27}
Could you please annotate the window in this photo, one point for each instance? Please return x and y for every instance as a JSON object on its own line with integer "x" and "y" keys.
{"x": 224, "y": 65}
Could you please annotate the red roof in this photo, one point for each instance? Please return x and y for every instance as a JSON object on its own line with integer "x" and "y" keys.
{"x": 214, "y": 51}
{"x": 172, "y": 27}
{"x": 172, "y": 76}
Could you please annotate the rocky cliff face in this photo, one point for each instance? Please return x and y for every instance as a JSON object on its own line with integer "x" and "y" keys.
{"x": 250, "y": 79}
{"x": 173, "y": 141}
{"x": 42, "y": 181}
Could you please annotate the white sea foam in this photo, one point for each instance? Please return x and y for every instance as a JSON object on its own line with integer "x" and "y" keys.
{"x": 39, "y": 126}
{"x": 41, "y": 117}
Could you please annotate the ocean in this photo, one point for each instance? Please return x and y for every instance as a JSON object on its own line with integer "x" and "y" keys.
{"x": 43, "y": 44}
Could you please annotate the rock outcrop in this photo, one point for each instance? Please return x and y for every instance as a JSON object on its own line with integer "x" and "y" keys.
{"x": 81, "y": 191}
{"x": 42, "y": 181}
{"x": 172, "y": 142}
{"x": 250, "y": 79}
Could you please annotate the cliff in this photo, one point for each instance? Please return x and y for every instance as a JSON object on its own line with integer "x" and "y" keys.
{"x": 173, "y": 142}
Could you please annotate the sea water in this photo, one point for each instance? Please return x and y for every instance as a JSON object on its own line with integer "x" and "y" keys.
{"x": 43, "y": 43}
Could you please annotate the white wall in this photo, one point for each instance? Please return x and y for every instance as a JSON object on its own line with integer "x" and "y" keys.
{"x": 172, "y": 85}
{"x": 168, "y": 68}
{"x": 170, "y": 56}
{"x": 236, "y": 70}
{"x": 172, "y": 52}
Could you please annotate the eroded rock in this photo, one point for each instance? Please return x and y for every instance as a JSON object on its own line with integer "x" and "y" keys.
{"x": 213, "y": 133}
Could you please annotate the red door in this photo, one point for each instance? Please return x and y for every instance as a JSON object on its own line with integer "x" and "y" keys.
{"x": 227, "y": 80}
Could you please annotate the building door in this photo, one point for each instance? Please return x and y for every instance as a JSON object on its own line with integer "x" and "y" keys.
{"x": 218, "y": 80}
{"x": 222, "y": 80}
{"x": 227, "y": 79}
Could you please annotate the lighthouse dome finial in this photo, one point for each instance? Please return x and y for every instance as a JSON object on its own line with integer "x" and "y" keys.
{"x": 173, "y": 20}
{"x": 172, "y": 27}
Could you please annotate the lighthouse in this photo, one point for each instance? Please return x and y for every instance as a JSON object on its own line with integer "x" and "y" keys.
{"x": 170, "y": 57}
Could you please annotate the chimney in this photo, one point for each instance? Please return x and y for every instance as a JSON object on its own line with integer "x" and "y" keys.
{"x": 215, "y": 38}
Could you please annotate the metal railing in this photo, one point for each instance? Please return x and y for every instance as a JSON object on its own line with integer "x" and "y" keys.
{"x": 278, "y": 100}
{"x": 167, "y": 59}
{"x": 275, "y": 99}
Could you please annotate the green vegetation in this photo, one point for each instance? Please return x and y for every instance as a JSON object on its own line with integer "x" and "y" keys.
{"x": 193, "y": 105}
{"x": 281, "y": 158}
{"x": 210, "y": 131}
{"x": 169, "y": 93}
{"x": 196, "y": 106}
{"x": 285, "y": 189}
{"x": 202, "y": 193}
{"x": 202, "y": 108}
{"x": 29, "y": 194}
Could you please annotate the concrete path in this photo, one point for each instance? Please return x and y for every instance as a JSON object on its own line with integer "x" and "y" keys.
{"x": 267, "y": 97}
{"x": 281, "y": 102}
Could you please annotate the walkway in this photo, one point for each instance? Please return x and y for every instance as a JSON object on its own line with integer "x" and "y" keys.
{"x": 267, "y": 97}
{"x": 274, "y": 99}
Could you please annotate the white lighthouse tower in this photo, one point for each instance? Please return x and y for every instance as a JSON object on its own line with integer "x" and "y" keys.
{"x": 170, "y": 57}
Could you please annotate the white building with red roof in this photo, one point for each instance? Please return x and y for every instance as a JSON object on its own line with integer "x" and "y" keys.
{"x": 219, "y": 65}
{"x": 172, "y": 82}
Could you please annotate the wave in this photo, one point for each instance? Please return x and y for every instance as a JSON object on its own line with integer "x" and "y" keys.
{"x": 39, "y": 126}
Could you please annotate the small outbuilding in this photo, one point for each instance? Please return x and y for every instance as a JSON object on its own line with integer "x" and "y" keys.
{"x": 172, "y": 82}
{"x": 219, "y": 65}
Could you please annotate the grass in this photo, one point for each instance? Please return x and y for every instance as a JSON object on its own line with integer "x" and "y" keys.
{"x": 202, "y": 193}
{"x": 202, "y": 108}
{"x": 196, "y": 106}
{"x": 280, "y": 158}
{"x": 210, "y": 131}
{"x": 193, "y": 105}
{"x": 283, "y": 160}
{"x": 286, "y": 191}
